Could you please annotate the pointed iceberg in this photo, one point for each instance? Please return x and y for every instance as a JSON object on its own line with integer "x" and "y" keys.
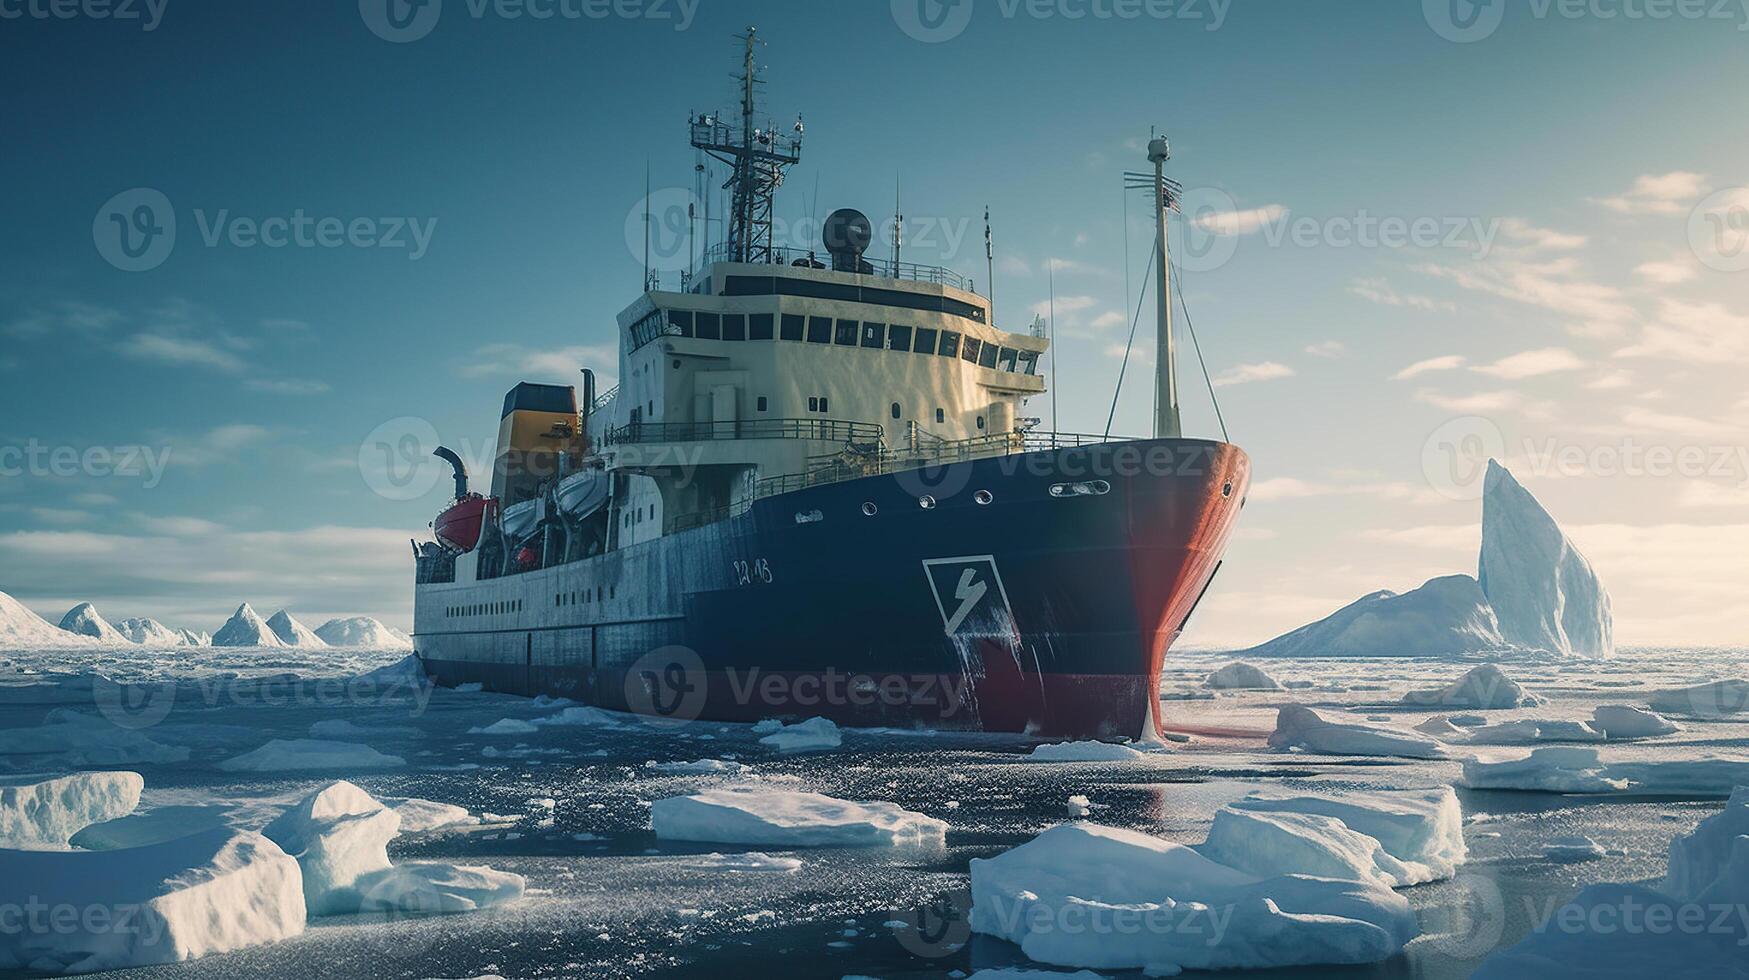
{"x": 1446, "y": 616}
{"x": 1543, "y": 591}
{"x": 293, "y": 633}
{"x": 245, "y": 629}
{"x": 84, "y": 620}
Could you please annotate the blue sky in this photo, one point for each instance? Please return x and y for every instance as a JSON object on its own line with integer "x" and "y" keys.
{"x": 1572, "y": 291}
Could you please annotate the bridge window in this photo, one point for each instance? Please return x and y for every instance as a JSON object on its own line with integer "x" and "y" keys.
{"x": 969, "y": 350}
{"x": 846, "y": 333}
{"x": 874, "y": 335}
{"x": 709, "y": 326}
{"x": 898, "y": 337}
{"x": 792, "y": 326}
{"x": 813, "y": 403}
{"x": 925, "y": 340}
{"x": 819, "y": 330}
{"x": 734, "y": 326}
{"x": 987, "y": 356}
{"x": 681, "y": 321}
{"x": 762, "y": 403}
{"x": 1008, "y": 358}
{"x": 950, "y": 344}
{"x": 1028, "y": 362}
{"x": 823, "y": 407}
{"x": 759, "y": 326}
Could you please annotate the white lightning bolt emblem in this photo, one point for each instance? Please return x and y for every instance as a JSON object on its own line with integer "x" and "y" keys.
{"x": 968, "y": 593}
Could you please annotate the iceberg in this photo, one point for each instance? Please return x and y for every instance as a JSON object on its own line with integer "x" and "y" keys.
{"x": 84, "y": 620}
{"x": 282, "y": 754}
{"x": 1088, "y": 751}
{"x": 291, "y": 632}
{"x": 1085, "y": 895}
{"x": 1241, "y": 677}
{"x": 1544, "y": 593}
{"x": 362, "y": 632}
{"x": 338, "y": 834}
{"x": 1266, "y": 843}
{"x": 1445, "y": 617}
{"x": 1530, "y": 731}
{"x": 1486, "y": 686}
{"x": 428, "y": 888}
{"x": 1620, "y": 722}
{"x": 1297, "y": 726}
{"x": 762, "y": 815}
{"x": 150, "y": 632}
{"x": 1549, "y": 770}
{"x": 46, "y": 815}
{"x": 21, "y": 629}
{"x": 245, "y": 629}
{"x": 1711, "y": 865}
{"x": 1421, "y": 829}
{"x": 812, "y": 735}
{"x": 209, "y": 892}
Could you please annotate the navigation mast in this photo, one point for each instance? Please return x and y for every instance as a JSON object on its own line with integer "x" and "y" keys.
{"x": 1167, "y": 424}
{"x": 757, "y": 158}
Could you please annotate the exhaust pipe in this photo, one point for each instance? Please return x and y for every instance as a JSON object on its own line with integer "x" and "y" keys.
{"x": 461, "y": 470}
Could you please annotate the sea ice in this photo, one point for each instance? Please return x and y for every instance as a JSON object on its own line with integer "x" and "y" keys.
{"x": 1086, "y": 751}
{"x": 429, "y": 888}
{"x": 1242, "y": 677}
{"x": 337, "y": 833}
{"x": 1421, "y": 829}
{"x": 700, "y": 767}
{"x": 78, "y": 739}
{"x": 1084, "y": 895}
{"x": 209, "y": 892}
{"x": 1713, "y": 700}
{"x": 805, "y": 736}
{"x": 1711, "y": 865}
{"x": 1439, "y": 726}
{"x": 310, "y": 753}
{"x": 1486, "y": 686}
{"x": 505, "y": 726}
{"x": 1267, "y": 844}
{"x": 745, "y": 862}
{"x": 1530, "y": 731}
{"x": 763, "y": 815}
{"x": 1573, "y": 849}
{"x": 1555, "y": 769}
{"x": 46, "y": 815}
{"x": 1543, "y": 591}
{"x": 1620, "y": 722}
{"x": 418, "y": 816}
{"x": 1297, "y": 726}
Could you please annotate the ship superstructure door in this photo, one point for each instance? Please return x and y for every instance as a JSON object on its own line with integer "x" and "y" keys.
{"x": 723, "y": 410}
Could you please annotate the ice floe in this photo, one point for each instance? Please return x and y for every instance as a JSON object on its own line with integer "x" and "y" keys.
{"x": 700, "y": 767}
{"x": 1484, "y": 687}
{"x": 1712, "y": 863}
{"x": 337, "y": 834}
{"x": 78, "y": 739}
{"x": 1572, "y": 849}
{"x": 1239, "y": 676}
{"x": 1297, "y": 726}
{"x": 1561, "y": 769}
{"x": 763, "y": 815}
{"x": 1713, "y": 700}
{"x": 419, "y": 816}
{"x": 745, "y": 863}
{"x": 281, "y": 755}
{"x": 1086, "y": 751}
{"x": 209, "y": 892}
{"x": 812, "y": 735}
{"x": 1264, "y": 843}
{"x": 1420, "y": 829}
{"x": 1530, "y": 731}
{"x": 1086, "y": 895}
{"x": 47, "y": 814}
{"x": 429, "y": 888}
{"x": 1620, "y": 722}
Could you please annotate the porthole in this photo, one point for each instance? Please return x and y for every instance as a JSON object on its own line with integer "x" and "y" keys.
{"x": 983, "y": 497}
{"x": 926, "y": 502}
{"x": 869, "y": 509}
{"x": 1226, "y": 489}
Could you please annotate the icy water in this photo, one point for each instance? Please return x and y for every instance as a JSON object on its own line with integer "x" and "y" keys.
{"x": 606, "y": 898}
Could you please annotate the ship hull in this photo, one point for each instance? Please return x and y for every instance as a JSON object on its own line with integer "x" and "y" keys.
{"x": 1002, "y": 607}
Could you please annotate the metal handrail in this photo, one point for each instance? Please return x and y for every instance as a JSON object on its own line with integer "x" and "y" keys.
{"x": 824, "y": 430}
{"x": 604, "y": 399}
{"x": 884, "y": 268}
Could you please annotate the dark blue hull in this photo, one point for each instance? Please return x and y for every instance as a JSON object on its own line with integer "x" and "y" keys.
{"x": 1004, "y": 606}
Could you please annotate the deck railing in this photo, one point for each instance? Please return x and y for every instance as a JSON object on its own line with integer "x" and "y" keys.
{"x": 824, "y": 430}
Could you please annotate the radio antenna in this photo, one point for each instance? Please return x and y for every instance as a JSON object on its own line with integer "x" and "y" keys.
{"x": 989, "y": 264}
{"x": 758, "y": 157}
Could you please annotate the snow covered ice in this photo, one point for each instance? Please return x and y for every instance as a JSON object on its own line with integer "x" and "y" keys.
{"x": 246, "y": 629}
{"x": 813, "y": 735}
{"x": 1086, "y": 751}
{"x": 84, "y": 621}
{"x": 763, "y": 815}
{"x": 1302, "y": 728}
{"x": 1242, "y": 677}
{"x": 1486, "y": 686}
{"x": 310, "y": 753}
{"x": 1620, "y": 722}
{"x": 1445, "y": 617}
{"x": 293, "y": 633}
{"x": 362, "y": 632}
{"x": 337, "y": 834}
{"x": 46, "y": 815}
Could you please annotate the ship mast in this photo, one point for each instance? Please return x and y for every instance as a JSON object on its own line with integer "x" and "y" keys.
{"x": 756, "y": 158}
{"x": 1167, "y": 424}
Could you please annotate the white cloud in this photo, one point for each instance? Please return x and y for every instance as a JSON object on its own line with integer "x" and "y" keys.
{"x": 1381, "y": 292}
{"x": 286, "y": 386}
{"x": 58, "y": 515}
{"x": 1065, "y": 305}
{"x": 1531, "y": 363}
{"x": 166, "y": 349}
{"x": 1556, "y": 285}
{"x": 1106, "y": 320}
{"x": 1529, "y": 235}
{"x": 1702, "y": 332}
{"x": 1611, "y": 381}
{"x": 1293, "y": 488}
{"x": 1474, "y": 404}
{"x": 1666, "y": 273}
{"x": 1247, "y": 373}
{"x": 1327, "y": 348}
{"x": 1446, "y": 537}
{"x": 1669, "y": 193}
{"x": 1701, "y": 494}
{"x": 1447, "y": 362}
{"x": 495, "y": 360}
{"x": 1242, "y": 222}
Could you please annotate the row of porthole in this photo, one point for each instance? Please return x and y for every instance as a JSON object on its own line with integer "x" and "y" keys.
{"x": 984, "y": 498}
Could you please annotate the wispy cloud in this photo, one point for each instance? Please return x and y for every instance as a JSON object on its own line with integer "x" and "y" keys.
{"x": 1558, "y": 285}
{"x": 1242, "y": 222}
{"x": 1700, "y": 332}
{"x": 1481, "y": 401}
{"x": 1446, "y": 362}
{"x": 1670, "y": 193}
{"x": 1381, "y": 292}
{"x": 286, "y": 386}
{"x": 1248, "y": 373}
{"x": 561, "y": 362}
{"x": 1522, "y": 232}
{"x": 1532, "y": 363}
{"x": 1668, "y": 273}
{"x": 181, "y": 351}
{"x": 1327, "y": 349}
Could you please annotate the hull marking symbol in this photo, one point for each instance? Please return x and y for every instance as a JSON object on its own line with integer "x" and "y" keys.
{"x": 963, "y": 593}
